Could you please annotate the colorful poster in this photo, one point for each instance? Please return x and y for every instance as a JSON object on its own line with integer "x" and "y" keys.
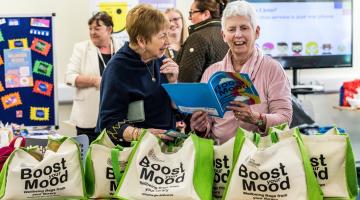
{"x": 11, "y": 100}
{"x": 18, "y": 43}
{"x": 44, "y": 23}
{"x": 1, "y": 87}
{"x": 39, "y": 113}
{"x": 40, "y": 46}
{"x": 18, "y": 68}
{"x": 1, "y": 37}
{"x": 43, "y": 68}
{"x": 43, "y": 87}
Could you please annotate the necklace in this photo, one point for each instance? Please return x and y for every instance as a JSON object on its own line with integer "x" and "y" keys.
{"x": 152, "y": 73}
{"x": 111, "y": 52}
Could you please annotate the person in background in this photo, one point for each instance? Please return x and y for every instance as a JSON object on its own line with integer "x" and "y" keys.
{"x": 204, "y": 46}
{"x": 177, "y": 33}
{"x": 240, "y": 30}
{"x": 136, "y": 73}
{"x": 86, "y": 66}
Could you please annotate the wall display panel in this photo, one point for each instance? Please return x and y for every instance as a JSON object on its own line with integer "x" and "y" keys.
{"x": 27, "y": 72}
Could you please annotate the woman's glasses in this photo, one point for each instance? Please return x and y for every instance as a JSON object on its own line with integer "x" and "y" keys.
{"x": 191, "y": 12}
{"x": 175, "y": 19}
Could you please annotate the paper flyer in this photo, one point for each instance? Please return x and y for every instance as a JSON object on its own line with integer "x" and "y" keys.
{"x": 17, "y": 63}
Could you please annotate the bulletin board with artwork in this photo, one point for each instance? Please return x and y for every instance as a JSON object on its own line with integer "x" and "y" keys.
{"x": 27, "y": 72}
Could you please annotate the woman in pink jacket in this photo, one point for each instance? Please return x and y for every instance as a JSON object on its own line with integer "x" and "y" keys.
{"x": 240, "y": 30}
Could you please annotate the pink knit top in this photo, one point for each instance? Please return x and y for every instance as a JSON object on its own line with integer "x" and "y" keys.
{"x": 272, "y": 85}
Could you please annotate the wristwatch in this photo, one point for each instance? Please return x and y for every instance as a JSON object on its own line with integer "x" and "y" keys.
{"x": 260, "y": 122}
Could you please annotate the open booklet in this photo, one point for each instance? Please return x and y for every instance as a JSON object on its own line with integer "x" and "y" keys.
{"x": 215, "y": 95}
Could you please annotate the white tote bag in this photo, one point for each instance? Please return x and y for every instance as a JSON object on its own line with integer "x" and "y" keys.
{"x": 58, "y": 174}
{"x": 99, "y": 172}
{"x": 332, "y": 160}
{"x": 223, "y": 155}
{"x": 223, "y": 161}
{"x": 280, "y": 171}
{"x": 152, "y": 174}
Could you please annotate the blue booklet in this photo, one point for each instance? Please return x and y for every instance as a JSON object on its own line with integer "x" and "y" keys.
{"x": 214, "y": 96}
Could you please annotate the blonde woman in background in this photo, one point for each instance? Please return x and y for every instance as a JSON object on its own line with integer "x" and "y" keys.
{"x": 177, "y": 32}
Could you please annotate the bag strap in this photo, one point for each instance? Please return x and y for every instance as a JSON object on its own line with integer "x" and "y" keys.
{"x": 4, "y": 172}
{"x": 18, "y": 141}
{"x": 89, "y": 173}
{"x": 115, "y": 162}
{"x": 238, "y": 144}
{"x": 203, "y": 166}
{"x": 313, "y": 188}
{"x": 239, "y": 141}
{"x": 350, "y": 171}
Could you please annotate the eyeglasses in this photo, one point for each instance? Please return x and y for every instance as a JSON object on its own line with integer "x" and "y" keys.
{"x": 175, "y": 19}
{"x": 191, "y": 12}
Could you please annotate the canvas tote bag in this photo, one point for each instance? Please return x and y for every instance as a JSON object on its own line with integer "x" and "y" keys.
{"x": 272, "y": 171}
{"x": 332, "y": 159}
{"x": 223, "y": 161}
{"x": 185, "y": 173}
{"x": 99, "y": 172}
{"x": 58, "y": 174}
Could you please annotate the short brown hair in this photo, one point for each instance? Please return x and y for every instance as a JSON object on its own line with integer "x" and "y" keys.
{"x": 144, "y": 21}
{"x": 101, "y": 16}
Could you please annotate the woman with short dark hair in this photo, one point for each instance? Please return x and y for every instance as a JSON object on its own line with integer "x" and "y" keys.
{"x": 85, "y": 70}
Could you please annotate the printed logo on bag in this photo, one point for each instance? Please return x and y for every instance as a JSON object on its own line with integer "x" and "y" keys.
{"x": 109, "y": 174}
{"x": 50, "y": 175}
{"x": 320, "y": 168}
{"x": 222, "y": 169}
{"x": 222, "y": 172}
{"x": 161, "y": 174}
{"x": 159, "y": 178}
{"x": 111, "y": 177}
{"x": 273, "y": 180}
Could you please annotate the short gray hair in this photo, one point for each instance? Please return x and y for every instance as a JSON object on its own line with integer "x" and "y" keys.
{"x": 240, "y": 8}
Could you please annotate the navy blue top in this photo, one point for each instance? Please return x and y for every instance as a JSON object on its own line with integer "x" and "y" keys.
{"x": 126, "y": 79}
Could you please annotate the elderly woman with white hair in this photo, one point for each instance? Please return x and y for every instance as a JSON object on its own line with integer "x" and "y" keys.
{"x": 240, "y": 30}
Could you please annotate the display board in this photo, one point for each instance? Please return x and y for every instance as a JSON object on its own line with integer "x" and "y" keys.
{"x": 27, "y": 73}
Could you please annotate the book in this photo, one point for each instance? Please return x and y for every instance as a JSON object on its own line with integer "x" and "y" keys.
{"x": 214, "y": 96}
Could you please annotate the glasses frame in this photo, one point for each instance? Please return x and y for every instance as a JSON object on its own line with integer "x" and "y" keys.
{"x": 175, "y": 19}
{"x": 191, "y": 12}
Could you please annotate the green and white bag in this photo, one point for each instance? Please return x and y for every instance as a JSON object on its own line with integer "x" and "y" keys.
{"x": 58, "y": 174}
{"x": 186, "y": 172}
{"x": 279, "y": 171}
{"x": 332, "y": 160}
{"x": 99, "y": 172}
{"x": 223, "y": 161}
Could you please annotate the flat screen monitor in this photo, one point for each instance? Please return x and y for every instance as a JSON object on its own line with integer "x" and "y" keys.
{"x": 306, "y": 34}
